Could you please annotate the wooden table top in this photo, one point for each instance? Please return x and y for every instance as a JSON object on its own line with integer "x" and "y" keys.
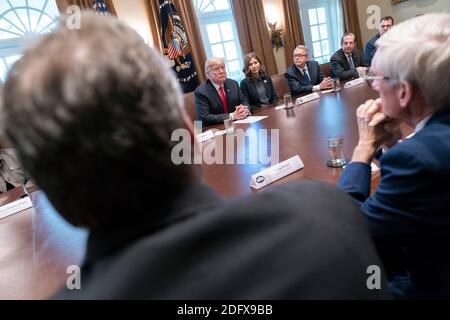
{"x": 37, "y": 245}
{"x": 303, "y": 131}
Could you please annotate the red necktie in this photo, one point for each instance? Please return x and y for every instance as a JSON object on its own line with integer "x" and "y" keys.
{"x": 224, "y": 99}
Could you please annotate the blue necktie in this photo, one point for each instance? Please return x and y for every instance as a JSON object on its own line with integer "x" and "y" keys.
{"x": 305, "y": 74}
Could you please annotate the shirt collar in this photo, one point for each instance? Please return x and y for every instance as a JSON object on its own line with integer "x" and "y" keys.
{"x": 422, "y": 123}
{"x": 301, "y": 70}
{"x": 217, "y": 86}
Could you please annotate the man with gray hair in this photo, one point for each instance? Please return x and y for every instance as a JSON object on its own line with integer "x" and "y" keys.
{"x": 409, "y": 213}
{"x": 92, "y": 113}
{"x": 305, "y": 76}
{"x": 219, "y": 98}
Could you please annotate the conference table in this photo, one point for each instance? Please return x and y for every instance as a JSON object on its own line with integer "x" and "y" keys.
{"x": 37, "y": 245}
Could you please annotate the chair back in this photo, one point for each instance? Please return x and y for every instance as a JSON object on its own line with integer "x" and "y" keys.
{"x": 280, "y": 85}
{"x": 325, "y": 68}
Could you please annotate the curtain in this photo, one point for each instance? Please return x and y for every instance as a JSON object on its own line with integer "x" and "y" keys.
{"x": 253, "y": 31}
{"x": 293, "y": 35}
{"x": 351, "y": 21}
{"x": 83, "y": 4}
{"x": 155, "y": 25}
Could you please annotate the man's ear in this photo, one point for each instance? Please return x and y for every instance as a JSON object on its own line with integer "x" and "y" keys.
{"x": 404, "y": 93}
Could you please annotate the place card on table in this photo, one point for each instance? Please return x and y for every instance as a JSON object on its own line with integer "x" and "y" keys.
{"x": 15, "y": 206}
{"x": 307, "y": 98}
{"x": 251, "y": 119}
{"x": 354, "y": 83}
{"x": 276, "y": 172}
{"x": 205, "y": 136}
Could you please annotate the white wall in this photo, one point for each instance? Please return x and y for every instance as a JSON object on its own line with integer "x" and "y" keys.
{"x": 134, "y": 13}
{"x": 400, "y": 12}
{"x": 274, "y": 10}
{"x": 365, "y": 17}
{"x": 411, "y": 8}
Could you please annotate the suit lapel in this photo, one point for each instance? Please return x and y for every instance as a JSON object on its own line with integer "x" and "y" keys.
{"x": 228, "y": 96}
{"x": 311, "y": 71}
{"x": 344, "y": 59}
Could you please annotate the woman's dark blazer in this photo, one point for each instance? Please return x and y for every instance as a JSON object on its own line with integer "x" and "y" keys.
{"x": 250, "y": 93}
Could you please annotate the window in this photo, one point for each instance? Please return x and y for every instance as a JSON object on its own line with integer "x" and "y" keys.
{"x": 322, "y": 25}
{"x": 21, "y": 21}
{"x": 219, "y": 34}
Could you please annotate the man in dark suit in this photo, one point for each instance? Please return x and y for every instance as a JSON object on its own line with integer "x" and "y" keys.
{"x": 386, "y": 23}
{"x": 155, "y": 230}
{"x": 345, "y": 63}
{"x": 305, "y": 76}
{"x": 409, "y": 214}
{"x": 219, "y": 98}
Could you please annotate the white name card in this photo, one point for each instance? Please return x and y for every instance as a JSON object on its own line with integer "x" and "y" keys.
{"x": 205, "y": 136}
{"x": 307, "y": 98}
{"x": 276, "y": 172}
{"x": 354, "y": 83}
{"x": 15, "y": 206}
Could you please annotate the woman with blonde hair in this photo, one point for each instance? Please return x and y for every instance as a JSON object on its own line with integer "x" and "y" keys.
{"x": 257, "y": 87}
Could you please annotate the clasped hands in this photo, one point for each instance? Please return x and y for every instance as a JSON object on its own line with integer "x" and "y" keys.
{"x": 376, "y": 129}
{"x": 241, "y": 112}
{"x": 327, "y": 83}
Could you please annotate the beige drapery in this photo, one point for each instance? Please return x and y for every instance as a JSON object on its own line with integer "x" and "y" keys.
{"x": 351, "y": 21}
{"x": 293, "y": 33}
{"x": 253, "y": 31}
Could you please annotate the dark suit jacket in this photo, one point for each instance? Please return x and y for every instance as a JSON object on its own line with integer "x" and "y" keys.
{"x": 300, "y": 84}
{"x": 251, "y": 95}
{"x": 296, "y": 241}
{"x": 370, "y": 49}
{"x": 409, "y": 213}
{"x": 341, "y": 69}
{"x": 209, "y": 105}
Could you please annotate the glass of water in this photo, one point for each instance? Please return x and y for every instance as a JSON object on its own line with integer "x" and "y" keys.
{"x": 229, "y": 126}
{"x": 336, "y": 150}
{"x": 336, "y": 85}
{"x": 288, "y": 101}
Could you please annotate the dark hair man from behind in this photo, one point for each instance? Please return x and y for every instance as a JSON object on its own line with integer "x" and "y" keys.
{"x": 91, "y": 113}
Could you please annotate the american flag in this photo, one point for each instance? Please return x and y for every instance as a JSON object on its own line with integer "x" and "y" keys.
{"x": 174, "y": 49}
{"x": 100, "y": 7}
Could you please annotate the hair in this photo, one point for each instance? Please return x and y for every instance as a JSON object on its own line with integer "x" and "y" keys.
{"x": 212, "y": 62}
{"x": 387, "y": 18}
{"x": 91, "y": 112}
{"x": 348, "y": 34}
{"x": 246, "y": 69}
{"x": 302, "y": 47}
{"x": 419, "y": 55}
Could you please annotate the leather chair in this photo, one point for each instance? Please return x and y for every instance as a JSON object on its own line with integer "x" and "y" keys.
{"x": 325, "y": 67}
{"x": 280, "y": 85}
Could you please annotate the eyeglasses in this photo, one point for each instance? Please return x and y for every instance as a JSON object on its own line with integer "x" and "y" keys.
{"x": 300, "y": 55}
{"x": 370, "y": 78}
